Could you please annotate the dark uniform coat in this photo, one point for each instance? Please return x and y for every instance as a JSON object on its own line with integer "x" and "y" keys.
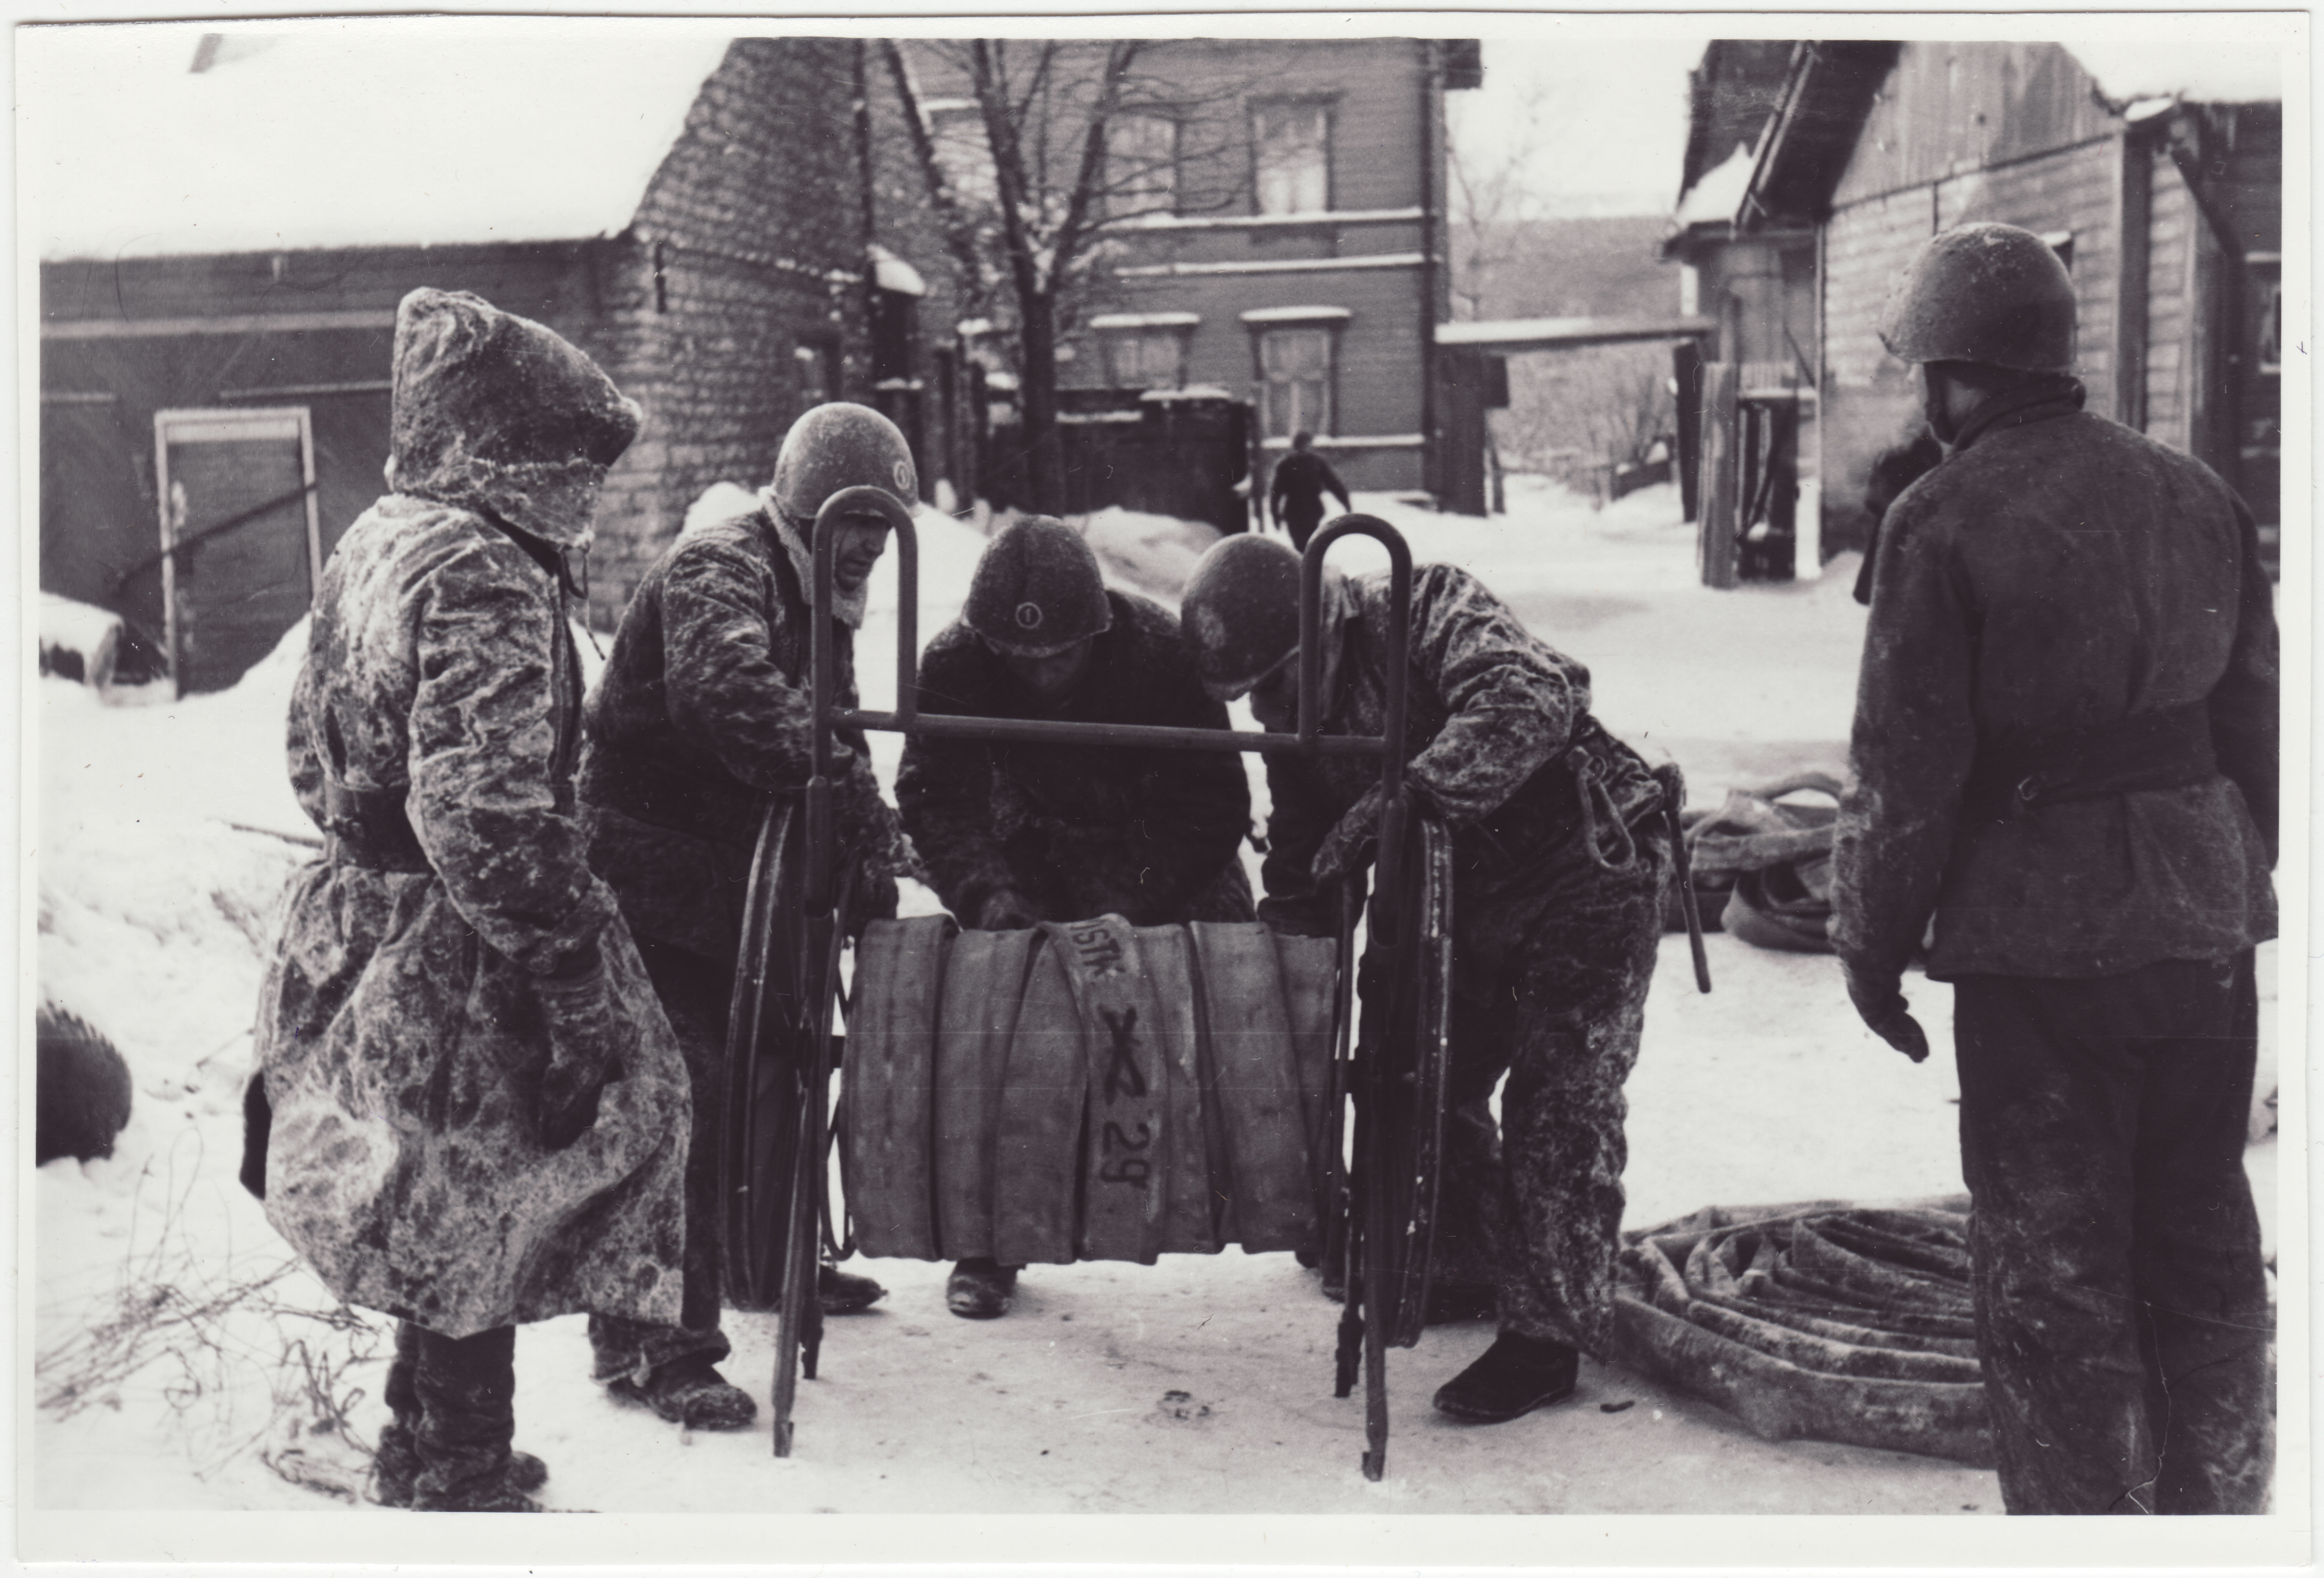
{"x": 703, "y": 707}
{"x": 1556, "y": 914}
{"x": 1080, "y": 830}
{"x": 2059, "y": 571}
{"x": 402, "y": 1043}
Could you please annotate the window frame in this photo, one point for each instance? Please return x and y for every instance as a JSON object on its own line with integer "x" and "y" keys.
{"x": 1327, "y": 106}
{"x": 1178, "y": 337}
{"x": 1325, "y": 331}
{"x": 2264, "y": 274}
{"x": 1173, "y": 166}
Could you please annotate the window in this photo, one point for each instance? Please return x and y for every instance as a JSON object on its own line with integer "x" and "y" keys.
{"x": 2264, "y": 293}
{"x": 1145, "y": 358}
{"x": 956, "y": 128}
{"x": 817, "y": 362}
{"x": 1291, "y": 157}
{"x": 1295, "y": 381}
{"x": 1141, "y": 174}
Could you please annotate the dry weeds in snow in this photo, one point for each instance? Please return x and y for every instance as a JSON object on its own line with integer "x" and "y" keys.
{"x": 210, "y": 1337}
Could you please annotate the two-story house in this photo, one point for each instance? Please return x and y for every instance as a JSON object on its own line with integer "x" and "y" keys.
{"x": 1276, "y": 230}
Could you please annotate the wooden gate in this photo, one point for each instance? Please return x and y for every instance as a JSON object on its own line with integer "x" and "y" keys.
{"x": 241, "y": 537}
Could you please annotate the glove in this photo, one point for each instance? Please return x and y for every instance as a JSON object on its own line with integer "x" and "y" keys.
{"x": 1006, "y": 910}
{"x": 1350, "y": 845}
{"x": 1881, "y": 1006}
{"x": 577, "y": 1005}
{"x": 874, "y": 898}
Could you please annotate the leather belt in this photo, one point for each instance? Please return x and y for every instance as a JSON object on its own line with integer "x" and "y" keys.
{"x": 370, "y": 828}
{"x": 2169, "y": 747}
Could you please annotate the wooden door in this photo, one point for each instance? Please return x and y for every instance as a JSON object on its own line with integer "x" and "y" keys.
{"x": 240, "y": 534}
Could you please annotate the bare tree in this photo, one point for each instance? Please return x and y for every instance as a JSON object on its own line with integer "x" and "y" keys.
{"x": 1491, "y": 181}
{"x": 1575, "y": 415}
{"x": 1045, "y": 112}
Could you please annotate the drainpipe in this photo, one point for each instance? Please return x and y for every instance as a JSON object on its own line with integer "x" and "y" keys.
{"x": 861, "y": 89}
{"x": 1431, "y": 75}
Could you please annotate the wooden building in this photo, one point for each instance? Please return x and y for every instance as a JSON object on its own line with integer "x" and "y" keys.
{"x": 218, "y": 291}
{"x": 2155, "y": 171}
{"x": 1283, "y": 242}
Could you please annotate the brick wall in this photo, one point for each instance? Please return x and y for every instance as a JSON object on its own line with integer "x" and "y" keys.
{"x": 747, "y": 249}
{"x": 2169, "y": 301}
{"x": 1868, "y": 398}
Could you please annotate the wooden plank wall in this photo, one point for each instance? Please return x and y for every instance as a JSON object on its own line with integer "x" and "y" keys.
{"x": 1948, "y": 108}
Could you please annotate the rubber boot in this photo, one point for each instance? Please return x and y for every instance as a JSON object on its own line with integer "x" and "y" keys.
{"x": 1513, "y": 1378}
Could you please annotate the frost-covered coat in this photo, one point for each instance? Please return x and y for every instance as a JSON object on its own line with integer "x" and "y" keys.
{"x": 1556, "y": 914}
{"x": 2058, "y": 571}
{"x": 1080, "y": 830}
{"x": 704, "y": 706}
{"x": 432, "y": 734}
{"x": 1491, "y": 712}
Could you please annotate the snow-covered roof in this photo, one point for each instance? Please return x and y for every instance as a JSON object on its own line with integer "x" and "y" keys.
{"x": 893, "y": 273}
{"x": 350, "y": 131}
{"x": 2200, "y": 73}
{"x": 1106, "y": 320}
{"x": 1714, "y": 198}
{"x": 1297, "y": 315}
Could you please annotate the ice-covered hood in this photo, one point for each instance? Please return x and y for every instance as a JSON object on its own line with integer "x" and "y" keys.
{"x": 494, "y": 412}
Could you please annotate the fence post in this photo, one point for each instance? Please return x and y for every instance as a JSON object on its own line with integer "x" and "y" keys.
{"x": 1720, "y": 507}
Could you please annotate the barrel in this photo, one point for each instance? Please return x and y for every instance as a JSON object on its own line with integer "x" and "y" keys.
{"x": 1087, "y": 1090}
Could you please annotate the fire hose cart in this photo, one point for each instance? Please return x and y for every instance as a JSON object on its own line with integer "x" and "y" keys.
{"x": 1091, "y": 1090}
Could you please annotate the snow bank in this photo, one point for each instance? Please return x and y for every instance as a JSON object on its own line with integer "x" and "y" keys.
{"x": 1150, "y": 554}
{"x": 78, "y": 641}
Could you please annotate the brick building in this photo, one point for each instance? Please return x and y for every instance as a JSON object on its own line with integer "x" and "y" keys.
{"x": 2155, "y": 170}
{"x": 1282, "y": 240}
{"x": 217, "y": 296}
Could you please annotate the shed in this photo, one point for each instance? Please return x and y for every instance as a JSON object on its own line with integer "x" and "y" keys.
{"x": 2154, "y": 170}
{"x": 226, "y": 221}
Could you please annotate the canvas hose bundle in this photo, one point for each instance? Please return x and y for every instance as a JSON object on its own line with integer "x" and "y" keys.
{"x": 1762, "y": 864}
{"x": 1086, "y": 1091}
{"x": 1830, "y": 1320}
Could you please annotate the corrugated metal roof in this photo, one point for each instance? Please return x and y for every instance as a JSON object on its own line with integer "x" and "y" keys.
{"x": 349, "y": 132}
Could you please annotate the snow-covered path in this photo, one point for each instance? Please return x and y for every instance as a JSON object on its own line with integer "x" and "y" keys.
{"x": 1201, "y": 1384}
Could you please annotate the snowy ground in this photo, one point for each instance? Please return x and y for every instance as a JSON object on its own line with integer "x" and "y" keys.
{"x": 184, "y": 1362}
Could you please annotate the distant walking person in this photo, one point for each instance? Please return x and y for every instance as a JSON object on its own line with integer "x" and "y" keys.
{"x": 1295, "y": 494}
{"x": 2065, "y": 754}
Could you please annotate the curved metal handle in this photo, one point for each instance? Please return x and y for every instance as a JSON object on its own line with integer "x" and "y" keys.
{"x": 1399, "y": 668}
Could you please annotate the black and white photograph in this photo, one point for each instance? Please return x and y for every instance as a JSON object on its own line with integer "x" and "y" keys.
{"x": 1497, "y": 799}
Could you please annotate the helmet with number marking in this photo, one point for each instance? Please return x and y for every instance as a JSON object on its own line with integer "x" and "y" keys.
{"x": 1036, "y": 590}
{"x": 842, "y": 445}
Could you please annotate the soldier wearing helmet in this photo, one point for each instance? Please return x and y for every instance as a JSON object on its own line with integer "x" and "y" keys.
{"x": 1014, "y": 833}
{"x": 1560, "y": 852}
{"x": 702, "y": 711}
{"x": 2065, "y": 778}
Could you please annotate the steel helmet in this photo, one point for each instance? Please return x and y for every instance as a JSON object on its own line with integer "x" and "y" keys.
{"x": 1037, "y": 589}
{"x": 1239, "y": 613}
{"x": 842, "y": 445}
{"x": 1988, "y": 294}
